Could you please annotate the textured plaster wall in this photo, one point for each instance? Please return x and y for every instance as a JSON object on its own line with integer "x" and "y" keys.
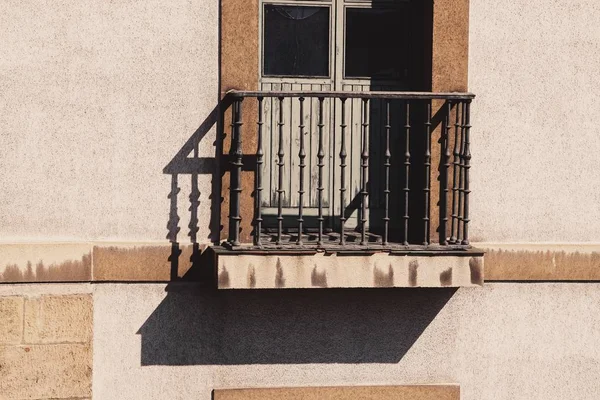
{"x": 96, "y": 98}
{"x": 502, "y": 341}
{"x": 534, "y": 68}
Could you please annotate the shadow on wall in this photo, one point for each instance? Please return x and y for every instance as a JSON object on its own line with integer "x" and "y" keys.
{"x": 197, "y": 326}
{"x": 187, "y": 164}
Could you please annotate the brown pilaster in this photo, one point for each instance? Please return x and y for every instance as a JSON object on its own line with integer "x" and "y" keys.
{"x": 239, "y": 70}
{"x": 449, "y": 64}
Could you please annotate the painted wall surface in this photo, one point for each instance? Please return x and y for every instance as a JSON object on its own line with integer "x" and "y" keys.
{"x": 534, "y": 67}
{"x": 502, "y": 341}
{"x": 95, "y": 99}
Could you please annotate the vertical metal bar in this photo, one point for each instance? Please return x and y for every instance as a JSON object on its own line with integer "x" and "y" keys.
{"x": 427, "y": 185}
{"x": 406, "y": 189}
{"x": 445, "y": 143}
{"x": 301, "y": 165}
{"x": 461, "y": 157}
{"x": 455, "y": 172}
{"x": 235, "y": 187}
{"x": 467, "y": 166}
{"x": 259, "y": 163}
{"x": 320, "y": 165}
{"x": 387, "y": 164}
{"x": 343, "y": 155}
{"x": 280, "y": 163}
{"x": 364, "y": 157}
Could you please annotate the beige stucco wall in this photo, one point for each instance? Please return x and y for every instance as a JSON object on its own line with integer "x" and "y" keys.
{"x": 534, "y": 67}
{"x": 96, "y": 98}
{"x": 502, "y": 341}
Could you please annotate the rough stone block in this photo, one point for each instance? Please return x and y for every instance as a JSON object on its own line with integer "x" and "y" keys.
{"x": 45, "y": 371}
{"x": 58, "y": 319}
{"x": 11, "y": 319}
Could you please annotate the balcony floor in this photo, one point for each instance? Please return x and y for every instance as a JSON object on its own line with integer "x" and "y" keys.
{"x": 331, "y": 244}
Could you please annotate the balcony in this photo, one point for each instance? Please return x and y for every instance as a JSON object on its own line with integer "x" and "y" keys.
{"x": 327, "y": 180}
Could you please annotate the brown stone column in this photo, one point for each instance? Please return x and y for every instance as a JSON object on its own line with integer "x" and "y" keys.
{"x": 449, "y": 73}
{"x": 239, "y": 38}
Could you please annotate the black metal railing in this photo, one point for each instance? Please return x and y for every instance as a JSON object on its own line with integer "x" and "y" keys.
{"x": 376, "y": 146}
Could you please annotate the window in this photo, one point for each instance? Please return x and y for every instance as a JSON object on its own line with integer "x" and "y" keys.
{"x": 376, "y": 43}
{"x": 296, "y": 41}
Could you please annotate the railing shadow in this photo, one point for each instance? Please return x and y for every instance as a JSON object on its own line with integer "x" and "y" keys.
{"x": 188, "y": 163}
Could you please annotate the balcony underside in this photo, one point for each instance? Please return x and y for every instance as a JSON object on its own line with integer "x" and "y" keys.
{"x": 294, "y": 267}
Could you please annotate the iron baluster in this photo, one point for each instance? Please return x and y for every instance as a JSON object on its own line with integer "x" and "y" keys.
{"x": 301, "y": 165}
{"x": 455, "y": 172}
{"x": 406, "y": 189}
{"x": 364, "y": 163}
{"x": 320, "y": 165}
{"x": 235, "y": 188}
{"x": 427, "y": 165}
{"x": 259, "y": 164}
{"x": 343, "y": 156}
{"x": 280, "y": 163}
{"x": 461, "y": 156}
{"x": 467, "y": 164}
{"x": 387, "y": 164}
{"x": 445, "y": 143}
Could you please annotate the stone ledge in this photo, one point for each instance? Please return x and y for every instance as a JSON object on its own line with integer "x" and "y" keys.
{"x": 287, "y": 271}
{"x": 157, "y": 262}
{"x": 406, "y": 392}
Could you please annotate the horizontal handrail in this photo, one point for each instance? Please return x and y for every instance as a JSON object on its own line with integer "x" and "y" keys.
{"x": 353, "y": 95}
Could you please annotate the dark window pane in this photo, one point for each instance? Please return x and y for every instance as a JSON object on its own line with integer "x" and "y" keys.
{"x": 296, "y": 41}
{"x": 376, "y": 43}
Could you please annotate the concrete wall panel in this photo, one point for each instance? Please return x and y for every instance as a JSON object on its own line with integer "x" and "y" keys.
{"x": 502, "y": 341}
{"x": 95, "y": 100}
{"x": 533, "y": 66}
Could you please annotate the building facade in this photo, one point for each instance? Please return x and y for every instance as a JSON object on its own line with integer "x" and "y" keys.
{"x": 129, "y": 176}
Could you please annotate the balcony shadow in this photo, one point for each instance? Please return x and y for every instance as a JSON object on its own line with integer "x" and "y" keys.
{"x": 200, "y": 326}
